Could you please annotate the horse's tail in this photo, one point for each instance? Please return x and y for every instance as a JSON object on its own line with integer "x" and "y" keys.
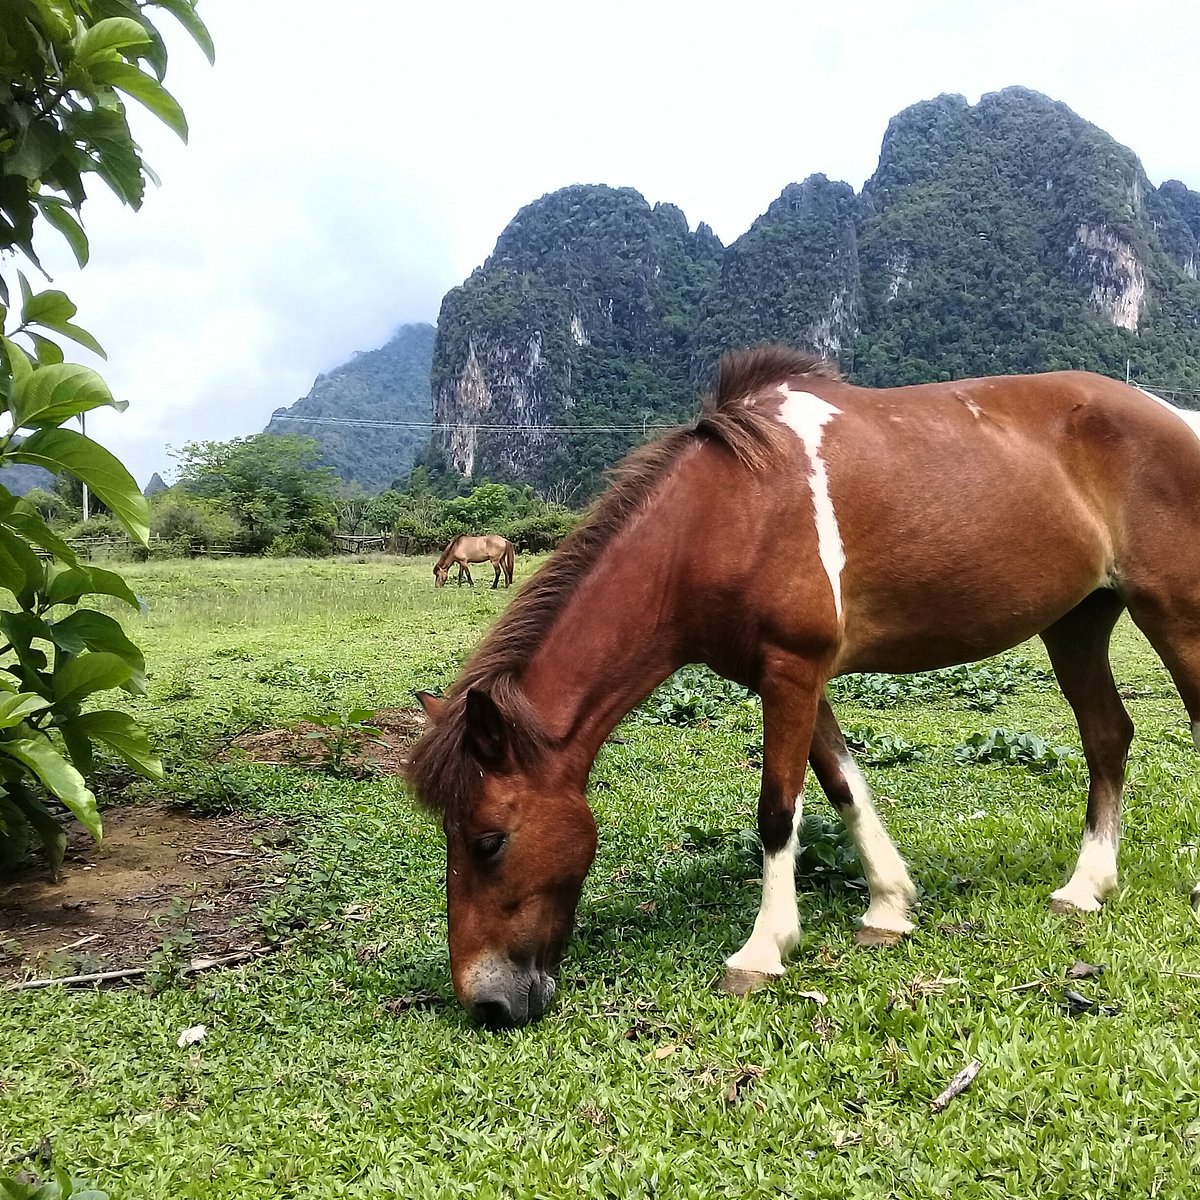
{"x": 507, "y": 562}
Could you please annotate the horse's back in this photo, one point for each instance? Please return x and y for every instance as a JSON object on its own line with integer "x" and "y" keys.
{"x": 953, "y": 520}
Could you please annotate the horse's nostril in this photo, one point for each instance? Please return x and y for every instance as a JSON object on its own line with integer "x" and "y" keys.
{"x": 493, "y": 1014}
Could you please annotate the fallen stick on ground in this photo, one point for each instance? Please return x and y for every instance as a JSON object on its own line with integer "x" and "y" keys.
{"x": 83, "y": 941}
{"x": 957, "y": 1085}
{"x": 214, "y": 850}
{"x": 193, "y": 968}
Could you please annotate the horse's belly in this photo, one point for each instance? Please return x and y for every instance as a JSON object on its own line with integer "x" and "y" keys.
{"x": 962, "y": 615}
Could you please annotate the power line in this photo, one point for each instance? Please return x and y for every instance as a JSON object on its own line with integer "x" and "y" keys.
{"x": 366, "y": 423}
{"x": 644, "y": 428}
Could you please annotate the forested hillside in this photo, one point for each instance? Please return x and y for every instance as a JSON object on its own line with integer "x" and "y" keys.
{"x": 584, "y": 315}
{"x": 384, "y": 385}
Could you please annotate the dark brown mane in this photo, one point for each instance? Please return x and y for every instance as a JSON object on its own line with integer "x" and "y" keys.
{"x": 744, "y": 373}
{"x": 448, "y": 553}
{"x": 440, "y": 771}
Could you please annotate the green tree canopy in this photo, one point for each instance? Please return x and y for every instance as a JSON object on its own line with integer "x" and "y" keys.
{"x": 282, "y": 500}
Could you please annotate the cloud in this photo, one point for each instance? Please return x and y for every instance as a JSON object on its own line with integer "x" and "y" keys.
{"x": 348, "y": 164}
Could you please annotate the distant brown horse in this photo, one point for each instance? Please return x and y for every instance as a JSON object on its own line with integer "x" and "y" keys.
{"x": 844, "y": 529}
{"x": 466, "y": 549}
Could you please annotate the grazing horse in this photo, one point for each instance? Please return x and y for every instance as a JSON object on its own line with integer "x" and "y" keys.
{"x": 465, "y": 549}
{"x": 845, "y": 529}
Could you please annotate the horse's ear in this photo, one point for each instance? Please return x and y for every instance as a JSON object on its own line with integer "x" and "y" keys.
{"x": 434, "y": 706}
{"x": 486, "y": 731}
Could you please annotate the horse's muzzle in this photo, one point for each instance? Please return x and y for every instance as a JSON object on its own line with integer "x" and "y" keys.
{"x": 508, "y": 1003}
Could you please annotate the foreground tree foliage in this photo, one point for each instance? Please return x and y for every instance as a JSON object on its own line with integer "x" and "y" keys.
{"x": 67, "y": 70}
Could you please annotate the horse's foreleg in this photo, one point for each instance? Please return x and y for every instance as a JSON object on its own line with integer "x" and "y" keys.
{"x": 891, "y": 890}
{"x": 1078, "y": 649}
{"x": 788, "y": 714}
{"x": 466, "y": 571}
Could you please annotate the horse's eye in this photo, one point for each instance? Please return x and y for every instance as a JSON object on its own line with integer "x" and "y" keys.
{"x": 489, "y": 846}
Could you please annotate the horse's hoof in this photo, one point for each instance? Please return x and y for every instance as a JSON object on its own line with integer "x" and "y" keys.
{"x": 868, "y": 935}
{"x": 1066, "y": 907}
{"x": 741, "y": 983}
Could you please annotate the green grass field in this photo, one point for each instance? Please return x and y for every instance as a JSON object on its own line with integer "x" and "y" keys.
{"x": 643, "y": 1080}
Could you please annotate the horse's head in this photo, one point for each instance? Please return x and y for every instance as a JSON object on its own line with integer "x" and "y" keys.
{"x": 439, "y": 575}
{"x": 518, "y": 847}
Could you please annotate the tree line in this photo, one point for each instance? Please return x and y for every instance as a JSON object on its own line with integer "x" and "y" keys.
{"x": 269, "y": 494}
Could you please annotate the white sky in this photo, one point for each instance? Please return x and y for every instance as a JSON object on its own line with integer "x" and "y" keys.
{"x": 349, "y": 163}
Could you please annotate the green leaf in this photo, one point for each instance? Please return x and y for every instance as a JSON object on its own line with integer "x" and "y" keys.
{"x": 143, "y": 88}
{"x": 112, "y": 153}
{"x": 78, "y": 334}
{"x": 15, "y": 708}
{"x": 66, "y": 586}
{"x": 56, "y": 393}
{"x": 79, "y": 747}
{"x": 19, "y": 366}
{"x": 46, "y": 307}
{"x": 49, "y": 353}
{"x": 184, "y": 12}
{"x": 21, "y": 628}
{"x": 56, "y": 212}
{"x": 36, "y": 148}
{"x": 61, "y": 450}
{"x": 100, "y": 44}
{"x": 123, "y": 735}
{"x": 21, "y": 571}
{"x": 86, "y": 629}
{"x": 53, "y": 838}
{"x": 40, "y": 756}
{"x": 77, "y": 678}
{"x": 58, "y": 17}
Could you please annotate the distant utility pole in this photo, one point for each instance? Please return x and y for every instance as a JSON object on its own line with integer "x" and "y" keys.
{"x": 83, "y": 430}
{"x": 1127, "y": 370}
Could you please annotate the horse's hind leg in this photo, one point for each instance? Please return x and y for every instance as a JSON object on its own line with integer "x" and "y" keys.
{"x": 1172, "y": 627}
{"x": 891, "y": 890}
{"x": 496, "y": 576}
{"x": 1078, "y": 649}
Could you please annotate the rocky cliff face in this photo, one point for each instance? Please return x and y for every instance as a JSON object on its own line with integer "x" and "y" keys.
{"x": 1007, "y": 236}
{"x": 582, "y": 317}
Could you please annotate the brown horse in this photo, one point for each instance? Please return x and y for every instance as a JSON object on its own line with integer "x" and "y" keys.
{"x": 904, "y": 529}
{"x": 465, "y": 549}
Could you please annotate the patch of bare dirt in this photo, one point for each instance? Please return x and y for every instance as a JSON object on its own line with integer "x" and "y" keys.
{"x": 159, "y": 872}
{"x": 386, "y": 754}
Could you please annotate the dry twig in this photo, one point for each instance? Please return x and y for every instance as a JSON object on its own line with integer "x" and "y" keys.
{"x": 196, "y": 966}
{"x": 957, "y": 1085}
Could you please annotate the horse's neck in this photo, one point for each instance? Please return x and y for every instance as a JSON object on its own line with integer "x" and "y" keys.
{"x": 615, "y": 640}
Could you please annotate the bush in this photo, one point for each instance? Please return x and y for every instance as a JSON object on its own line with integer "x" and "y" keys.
{"x": 542, "y": 531}
{"x": 191, "y": 523}
{"x": 311, "y": 541}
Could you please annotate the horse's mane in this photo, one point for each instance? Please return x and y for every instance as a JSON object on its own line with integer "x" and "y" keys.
{"x": 448, "y": 553}
{"x": 440, "y": 771}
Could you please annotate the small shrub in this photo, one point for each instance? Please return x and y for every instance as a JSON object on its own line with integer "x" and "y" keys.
{"x": 691, "y": 696}
{"x": 342, "y": 737}
{"x": 191, "y": 523}
{"x": 1020, "y": 749}
{"x": 882, "y": 749}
